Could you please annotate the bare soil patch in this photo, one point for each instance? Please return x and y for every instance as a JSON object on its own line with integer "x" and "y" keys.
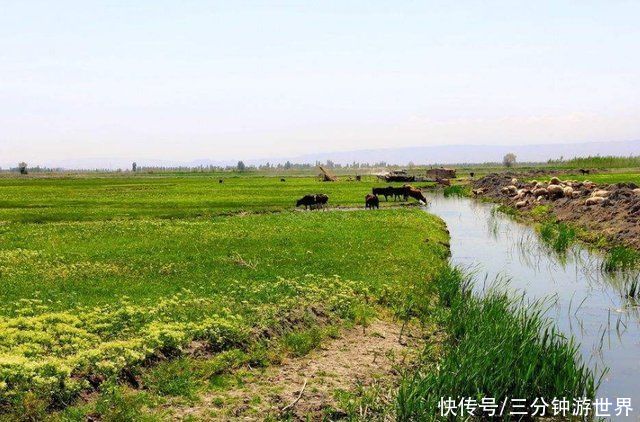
{"x": 305, "y": 388}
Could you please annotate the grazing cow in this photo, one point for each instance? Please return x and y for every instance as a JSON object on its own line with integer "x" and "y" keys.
{"x": 318, "y": 200}
{"x": 371, "y": 201}
{"x": 307, "y": 200}
{"x": 416, "y": 194}
{"x": 472, "y": 174}
{"x": 220, "y": 181}
{"x": 358, "y": 178}
{"x": 321, "y": 200}
{"x": 282, "y": 180}
{"x": 584, "y": 171}
{"x": 386, "y": 192}
{"x": 399, "y": 193}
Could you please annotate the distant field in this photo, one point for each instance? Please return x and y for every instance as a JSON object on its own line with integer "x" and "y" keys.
{"x": 165, "y": 196}
{"x": 609, "y": 177}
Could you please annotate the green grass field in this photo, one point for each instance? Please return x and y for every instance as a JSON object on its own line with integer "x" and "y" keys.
{"x": 106, "y": 197}
{"x": 104, "y": 279}
{"x": 609, "y": 177}
{"x": 93, "y": 284}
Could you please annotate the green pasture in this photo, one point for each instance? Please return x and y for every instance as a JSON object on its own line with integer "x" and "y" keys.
{"x": 84, "y": 300}
{"x": 108, "y": 278}
{"x": 607, "y": 178}
{"x": 107, "y": 197}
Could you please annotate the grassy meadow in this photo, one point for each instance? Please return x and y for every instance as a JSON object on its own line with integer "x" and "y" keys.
{"x": 126, "y": 196}
{"x": 105, "y": 280}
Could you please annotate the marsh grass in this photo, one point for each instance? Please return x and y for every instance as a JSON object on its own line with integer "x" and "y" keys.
{"x": 505, "y": 209}
{"x": 558, "y": 236}
{"x": 496, "y": 347}
{"x": 621, "y": 258}
{"x": 456, "y": 191}
{"x": 632, "y": 289}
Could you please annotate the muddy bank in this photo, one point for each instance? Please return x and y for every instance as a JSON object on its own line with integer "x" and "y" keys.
{"x": 609, "y": 211}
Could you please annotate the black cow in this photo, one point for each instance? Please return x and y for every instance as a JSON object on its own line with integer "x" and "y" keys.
{"x": 321, "y": 200}
{"x": 371, "y": 201}
{"x": 399, "y": 193}
{"x": 386, "y": 192}
{"x": 313, "y": 201}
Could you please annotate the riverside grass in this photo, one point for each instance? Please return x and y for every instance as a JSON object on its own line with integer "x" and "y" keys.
{"x": 495, "y": 348}
{"x": 102, "y": 276}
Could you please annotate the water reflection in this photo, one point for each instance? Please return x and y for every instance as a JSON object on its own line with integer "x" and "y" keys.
{"x": 584, "y": 301}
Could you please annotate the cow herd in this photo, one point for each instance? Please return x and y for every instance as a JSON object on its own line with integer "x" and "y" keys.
{"x": 315, "y": 201}
{"x": 371, "y": 201}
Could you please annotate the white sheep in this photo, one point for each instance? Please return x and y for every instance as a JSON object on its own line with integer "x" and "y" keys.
{"x": 521, "y": 204}
{"x": 540, "y": 192}
{"x": 600, "y": 193}
{"x": 554, "y": 181}
{"x": 556, "y": 191}
{"x": 594, "y": 200}
{"x": 568, "y": 191}
{"x": 511, "y": 190}
{"x": 636, "y": 191}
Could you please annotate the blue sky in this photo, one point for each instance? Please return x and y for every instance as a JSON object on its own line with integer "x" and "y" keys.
{"x": 226, "y": 80}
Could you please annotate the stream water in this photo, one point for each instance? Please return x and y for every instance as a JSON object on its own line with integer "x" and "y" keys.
{"x": 583, "y": 301}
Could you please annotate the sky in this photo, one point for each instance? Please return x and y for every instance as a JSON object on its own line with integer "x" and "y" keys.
{"x": 187, "y": 80}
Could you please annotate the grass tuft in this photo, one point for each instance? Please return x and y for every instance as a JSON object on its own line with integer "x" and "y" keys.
{"x": 496, "y": 348}
{"x": 456, "y": 191}
{"x": 558, "y": 236}
{"x": 620, "y": 258}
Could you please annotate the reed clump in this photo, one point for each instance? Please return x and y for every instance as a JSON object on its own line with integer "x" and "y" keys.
{"x": 496, "y": 348}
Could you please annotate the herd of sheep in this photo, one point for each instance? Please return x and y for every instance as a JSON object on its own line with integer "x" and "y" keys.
{"x": 534, "y": 191}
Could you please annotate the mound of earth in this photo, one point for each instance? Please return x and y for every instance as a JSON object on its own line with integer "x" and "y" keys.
{"x": 615, "y": 215}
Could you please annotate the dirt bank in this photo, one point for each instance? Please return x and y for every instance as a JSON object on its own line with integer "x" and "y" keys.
{"x": 307, "y": 388}
{"x": 611, "y": 211}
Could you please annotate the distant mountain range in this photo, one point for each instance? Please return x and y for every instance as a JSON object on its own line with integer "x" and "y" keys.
{"x": 441, "y": 154}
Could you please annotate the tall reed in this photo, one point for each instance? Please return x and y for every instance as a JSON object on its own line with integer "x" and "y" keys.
{"x": 495, "y": 348}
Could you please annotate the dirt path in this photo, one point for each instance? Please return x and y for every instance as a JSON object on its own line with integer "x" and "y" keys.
{"x": 305, "y": 388}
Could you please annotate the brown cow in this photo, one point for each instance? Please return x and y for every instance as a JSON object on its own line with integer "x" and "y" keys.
{"x": 416, "y": 194}
{"x": 371, "y": 201}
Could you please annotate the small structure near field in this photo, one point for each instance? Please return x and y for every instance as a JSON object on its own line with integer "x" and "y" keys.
{"x": 326, "y": 175}
{"x": 441, "y": 173}
{"x": 399, "y": 176}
